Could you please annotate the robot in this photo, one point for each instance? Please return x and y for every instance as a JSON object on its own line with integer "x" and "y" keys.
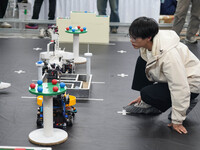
{"x": 54, "y": 70}
{"x": 57, "y": 61}
{"x": 63, "y": 111}
{"x": 46, "y": 33}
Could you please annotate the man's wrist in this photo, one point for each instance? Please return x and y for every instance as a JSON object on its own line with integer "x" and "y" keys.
{"x": 177, "y": 122}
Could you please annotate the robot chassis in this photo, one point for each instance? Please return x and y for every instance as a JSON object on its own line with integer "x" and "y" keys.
{"x": 55, "y": 63}
{"x": 63, "y": 111}
{"x": 58, "y": 64}
{"x": 58, "y": 61}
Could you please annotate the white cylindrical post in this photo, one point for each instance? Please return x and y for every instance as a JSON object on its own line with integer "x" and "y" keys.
{"x": 88, "y": 65}
{"x": 39, "y": 64}
{"x": 48, "y": 115}
{"x": 76, "y": 46}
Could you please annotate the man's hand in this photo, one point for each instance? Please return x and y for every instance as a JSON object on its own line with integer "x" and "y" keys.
{"x": 178, "y": 127}
{"x": 137, "y": 100}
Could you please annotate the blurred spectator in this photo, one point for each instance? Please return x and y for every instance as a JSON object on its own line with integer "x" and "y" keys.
{"x": 168, "y": 7}
{"x": 180, "y": 15}
{"x": 22, "y": 1}
{"x": 3, "y": 7}
{"x": 36, "y": 12}
{"x": 114, "y": 16}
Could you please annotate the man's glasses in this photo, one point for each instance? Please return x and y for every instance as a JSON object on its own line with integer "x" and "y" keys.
{"x": 133, "y": 39}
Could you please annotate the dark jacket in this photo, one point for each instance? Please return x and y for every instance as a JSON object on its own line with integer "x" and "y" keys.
{"x": 168, "y": 7}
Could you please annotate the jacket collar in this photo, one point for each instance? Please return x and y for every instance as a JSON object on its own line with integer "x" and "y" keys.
{"x": 164, "y": 41}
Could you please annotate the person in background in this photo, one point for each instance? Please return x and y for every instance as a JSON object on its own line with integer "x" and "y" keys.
{"x": 36, "y": 12}
{"x": 114, "y": 16}
{"x": 167, "y": 74}
{"x": 180, "y": 16}
{"x": 3, "y": 7}
{"x": 168, "y": 7}
{"x": 22, "y": 1}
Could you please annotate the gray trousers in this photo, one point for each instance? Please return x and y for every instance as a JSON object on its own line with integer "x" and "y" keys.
{"x": 180, "y": 15}
{"x": 102, "y": 5}
{"x": 3, "y": 7}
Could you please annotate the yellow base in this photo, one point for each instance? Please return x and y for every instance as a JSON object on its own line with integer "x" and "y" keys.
{"x": 39, "y": 100}
{"x": 72, "y": 100}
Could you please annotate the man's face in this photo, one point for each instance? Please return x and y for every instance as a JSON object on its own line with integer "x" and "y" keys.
{"x": 138, "y": 42}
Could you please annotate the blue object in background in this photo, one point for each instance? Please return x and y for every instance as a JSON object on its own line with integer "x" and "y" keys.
{"x": 168, "y": 7}
{"x": 40, "y": 62}
{"x": 162, "y": 1}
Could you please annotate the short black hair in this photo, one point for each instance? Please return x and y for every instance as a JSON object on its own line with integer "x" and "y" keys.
{"x": 143, "y": 27}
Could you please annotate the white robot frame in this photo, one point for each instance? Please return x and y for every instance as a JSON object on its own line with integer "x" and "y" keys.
{"x": 77, "y": 84}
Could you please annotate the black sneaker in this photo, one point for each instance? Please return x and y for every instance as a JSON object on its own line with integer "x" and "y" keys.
{"x": 141, "y": 108}
{"x": 191, "y": 40}
{"x": 31, "y": 26}
{"x": 114, "y": 30}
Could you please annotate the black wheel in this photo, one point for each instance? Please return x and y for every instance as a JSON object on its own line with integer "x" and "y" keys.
{"x": 39, "y": 123}
{"x": 69, "y": 121}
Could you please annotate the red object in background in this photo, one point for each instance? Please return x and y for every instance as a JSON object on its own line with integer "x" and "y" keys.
{"x": 78, "y": 27}
{"x": 67, "y": 28}
{"x": 32, "y": 85}
{"x": 55, "y": 88}
{"x": 54, "y": 81}
{"x": 81, "y": 30}
{"x": 19, "y": 149}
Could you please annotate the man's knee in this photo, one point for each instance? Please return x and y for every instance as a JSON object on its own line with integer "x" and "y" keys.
{"x": 151, "y": 99}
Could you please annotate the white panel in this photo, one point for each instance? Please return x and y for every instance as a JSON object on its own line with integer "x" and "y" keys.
{"x": 98, "y": 28}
